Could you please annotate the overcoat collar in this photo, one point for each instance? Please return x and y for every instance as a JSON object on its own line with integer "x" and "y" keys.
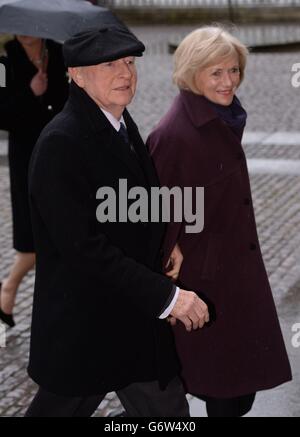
{"x": 200, "y": 112}
{"x": 102, "y": 128}
{"x": 197, "y": 108}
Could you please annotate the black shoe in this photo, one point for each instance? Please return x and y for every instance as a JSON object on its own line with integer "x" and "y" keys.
{"x": 6, "y": 318}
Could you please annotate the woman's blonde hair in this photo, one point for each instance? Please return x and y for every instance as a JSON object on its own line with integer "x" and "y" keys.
{"x": 204, "y": 48}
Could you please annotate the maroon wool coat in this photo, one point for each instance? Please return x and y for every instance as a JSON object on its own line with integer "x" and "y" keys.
{"x": 242, "y": 350}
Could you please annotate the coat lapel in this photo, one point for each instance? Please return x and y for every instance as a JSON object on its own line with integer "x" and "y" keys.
{"x": 201, "y": 113}
{"x": 198, "y": 110}
{"x": 141, "y": 151}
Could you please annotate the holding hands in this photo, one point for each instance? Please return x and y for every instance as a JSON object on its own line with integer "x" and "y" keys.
{"x": 174, "y": 262}
{"x": 189, "y": 308}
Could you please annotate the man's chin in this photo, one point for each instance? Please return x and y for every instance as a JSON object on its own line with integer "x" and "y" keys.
{"x": 125, "y": 101}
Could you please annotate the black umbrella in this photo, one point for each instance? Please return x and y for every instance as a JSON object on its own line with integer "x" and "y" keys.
{"x": 53, "y": 19}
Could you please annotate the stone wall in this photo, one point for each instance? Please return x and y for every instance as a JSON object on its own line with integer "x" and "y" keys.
{"x": 146, "y": 15}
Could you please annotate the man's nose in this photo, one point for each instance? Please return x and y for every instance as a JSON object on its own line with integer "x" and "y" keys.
{"x": 125, "y": 70}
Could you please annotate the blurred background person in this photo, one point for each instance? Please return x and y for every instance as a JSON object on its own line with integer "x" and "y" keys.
{"x": 37, "y": 88}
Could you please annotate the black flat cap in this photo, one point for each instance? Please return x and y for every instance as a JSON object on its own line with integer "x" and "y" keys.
{"x": 104, "y": 44}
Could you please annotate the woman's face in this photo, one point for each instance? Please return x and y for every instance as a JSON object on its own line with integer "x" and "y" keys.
{"x": 27, "y": 40}
{"x": 219, "y": 82}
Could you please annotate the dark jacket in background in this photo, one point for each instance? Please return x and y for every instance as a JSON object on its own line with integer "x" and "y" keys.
{"x": 242, "y": 350}
{"x": 24, "y": 115}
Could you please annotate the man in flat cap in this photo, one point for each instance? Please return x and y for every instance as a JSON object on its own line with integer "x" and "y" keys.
{"x": 100, "y": 302}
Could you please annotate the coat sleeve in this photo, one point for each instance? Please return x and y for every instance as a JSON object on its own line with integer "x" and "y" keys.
{"x": 172, "y": 171}
{"x": 63, "y": 201}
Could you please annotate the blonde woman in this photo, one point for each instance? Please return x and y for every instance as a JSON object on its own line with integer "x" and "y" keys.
{"x": 198, "y": 143}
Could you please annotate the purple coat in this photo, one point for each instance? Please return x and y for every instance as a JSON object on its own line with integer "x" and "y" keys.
{"x": 242, "y": 350}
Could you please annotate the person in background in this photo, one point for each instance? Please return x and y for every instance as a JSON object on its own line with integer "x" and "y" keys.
{"x": 198, "y": 143}
{"x": 37, "y": 89}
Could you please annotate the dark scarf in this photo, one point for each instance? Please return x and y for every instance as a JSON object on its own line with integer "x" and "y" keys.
{"x": 233, "y": 115}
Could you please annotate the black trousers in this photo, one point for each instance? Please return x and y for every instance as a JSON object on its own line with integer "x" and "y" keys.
{"x": 233, "y": 407}
{"x": 144, "y": 399}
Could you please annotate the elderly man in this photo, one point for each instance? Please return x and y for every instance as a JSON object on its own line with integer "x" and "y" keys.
{"x": 100, "y": 303}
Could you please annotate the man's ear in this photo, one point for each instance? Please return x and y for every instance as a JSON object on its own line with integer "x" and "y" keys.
{"x": 76, "y": 74}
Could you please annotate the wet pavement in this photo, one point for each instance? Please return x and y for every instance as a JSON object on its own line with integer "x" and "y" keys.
{"x": 272, "y": 145}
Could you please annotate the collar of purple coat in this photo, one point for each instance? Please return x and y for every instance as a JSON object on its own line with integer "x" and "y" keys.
{"x": 198, "y": 108}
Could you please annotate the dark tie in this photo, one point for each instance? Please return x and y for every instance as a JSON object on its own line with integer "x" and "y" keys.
{"x": 124, "y": 134}
{"x": 125, "y": 137}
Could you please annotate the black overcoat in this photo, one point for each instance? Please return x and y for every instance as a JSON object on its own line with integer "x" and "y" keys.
{"x": 242, "y": 349}
{"x": 95, "y": 324}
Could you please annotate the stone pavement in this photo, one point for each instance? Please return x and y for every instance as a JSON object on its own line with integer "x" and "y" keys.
{"x": 272, "y": 144}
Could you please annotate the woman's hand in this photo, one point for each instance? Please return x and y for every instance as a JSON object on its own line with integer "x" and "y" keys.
{"x": 39, "y": 83}
{"x": 175, "y": 261}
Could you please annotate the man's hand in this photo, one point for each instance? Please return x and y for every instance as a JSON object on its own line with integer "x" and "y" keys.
{"x": 39, "y": 83}
{"x": 190, "y": 310}
{"x": 175, "y": 261}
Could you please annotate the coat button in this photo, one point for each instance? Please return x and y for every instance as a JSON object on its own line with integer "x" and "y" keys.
{"x": 253, "y": 246}
{"x": 50, "y": 108}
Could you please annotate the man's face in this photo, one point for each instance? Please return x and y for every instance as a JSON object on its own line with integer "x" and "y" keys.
{"x": 110, "y": 84}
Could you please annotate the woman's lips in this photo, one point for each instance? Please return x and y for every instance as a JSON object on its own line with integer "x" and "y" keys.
{"x": 225, "y": 93}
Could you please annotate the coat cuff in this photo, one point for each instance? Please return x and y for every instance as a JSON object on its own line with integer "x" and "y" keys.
{"x": 169, "y": 305}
